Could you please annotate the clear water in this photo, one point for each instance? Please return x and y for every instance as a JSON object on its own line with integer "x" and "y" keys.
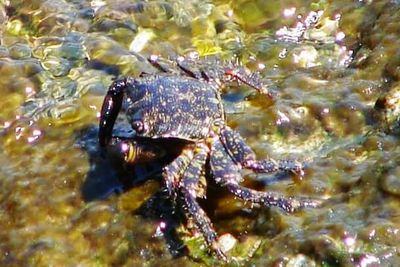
{"x": 63, "y": 203}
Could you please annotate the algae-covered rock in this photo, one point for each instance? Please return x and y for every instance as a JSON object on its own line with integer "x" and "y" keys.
{"x": 331, "y": 66}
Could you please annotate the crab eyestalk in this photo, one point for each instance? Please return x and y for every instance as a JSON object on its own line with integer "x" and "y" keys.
{"x": 134, "y": 151}
{"x": 109, "y": 111}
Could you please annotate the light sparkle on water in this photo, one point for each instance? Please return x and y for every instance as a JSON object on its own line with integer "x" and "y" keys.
{"x": 288, "y": 12}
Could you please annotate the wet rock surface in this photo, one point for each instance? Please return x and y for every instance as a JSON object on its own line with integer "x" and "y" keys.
{"x": 333, "y": 69}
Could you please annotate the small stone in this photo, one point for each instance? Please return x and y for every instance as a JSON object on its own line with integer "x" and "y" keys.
{"x": 227, "y": 242}
{"x": 390, "y": 183}
{"x": 20, "y": 51}
{"x": 57, "y": 66}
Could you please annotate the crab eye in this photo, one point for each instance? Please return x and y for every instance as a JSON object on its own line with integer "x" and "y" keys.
{"x": 138, "y": 126}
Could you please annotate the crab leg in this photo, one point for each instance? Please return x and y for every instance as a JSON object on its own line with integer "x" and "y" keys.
{"x": 193, "y": 173}
{"x": 189, "y": 166}
{"x": 244, "y": 155}
{"x": 189, "y": 188}
{"x": 173, "y": 171}
{"x": 203, "y": 223}
{"x": 227, "y": 173}
{"x": 252, "y": 80}
{"x": 153, "y": 60}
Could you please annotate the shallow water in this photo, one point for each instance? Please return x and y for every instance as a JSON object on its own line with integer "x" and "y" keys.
{"x": 64, "y": 203}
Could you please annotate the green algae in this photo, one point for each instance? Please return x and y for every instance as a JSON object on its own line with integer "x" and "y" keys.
{"x": 57, "y": 59}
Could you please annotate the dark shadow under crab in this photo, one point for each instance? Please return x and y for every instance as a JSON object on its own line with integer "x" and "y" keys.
{"x": 108, "y": 176}
{"x": 183, "y": 105}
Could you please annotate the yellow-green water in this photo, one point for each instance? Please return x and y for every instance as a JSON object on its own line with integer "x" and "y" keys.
{"x": 57, "y": 200}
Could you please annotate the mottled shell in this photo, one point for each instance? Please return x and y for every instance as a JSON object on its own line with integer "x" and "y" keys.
{"x": 172, "y": 106}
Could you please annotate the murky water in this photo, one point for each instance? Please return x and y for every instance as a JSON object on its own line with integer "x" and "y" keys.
{"x": 64, "y": 203}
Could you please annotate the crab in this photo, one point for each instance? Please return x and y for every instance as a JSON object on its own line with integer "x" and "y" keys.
{"x": 183, "y": 104}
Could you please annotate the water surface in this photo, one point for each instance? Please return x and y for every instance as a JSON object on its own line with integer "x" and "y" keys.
{"x": 63, "y": 203}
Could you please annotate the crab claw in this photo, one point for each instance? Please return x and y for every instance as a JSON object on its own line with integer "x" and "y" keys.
{"x": 135, "y": 151}
{"x": 109, "y": 111}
